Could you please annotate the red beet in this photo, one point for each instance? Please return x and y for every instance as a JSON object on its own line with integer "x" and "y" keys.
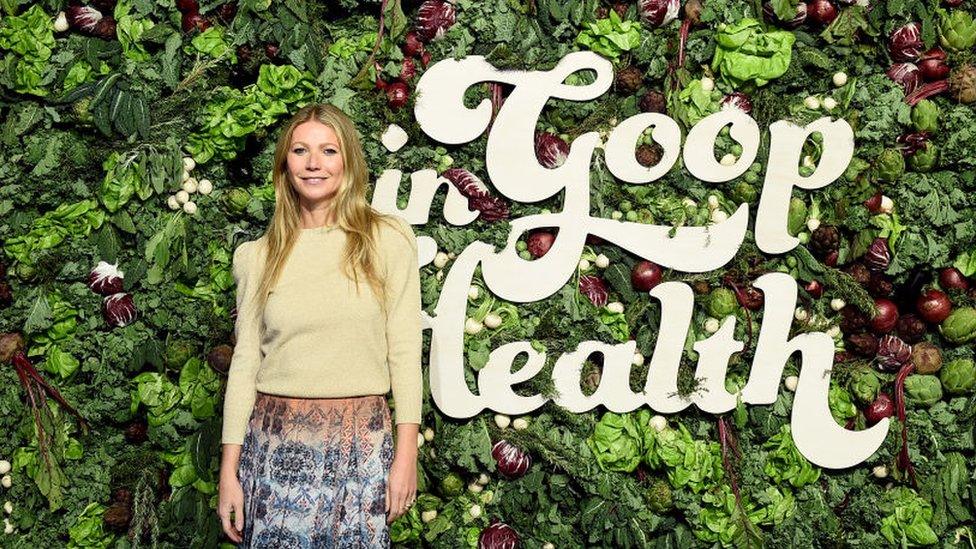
{"x": 887, "y": 316}
{"x": 195, "y": 21}
{"x": 881, "y": 408}
{"x": 814, "y": 288}
{"x": 539, "y": 243}
{"x": 933, "y": 305}
{"x": 412, "y": 46}
{"x": 821, "y": 12}
{"x": 951, "y": 278}
{"x": 187, "y": 6}
{"x": 397, "y": 95}
{"x": 932, "y": 65}
{"x": 645, "y": 275}
{"x": 408, "y": 70}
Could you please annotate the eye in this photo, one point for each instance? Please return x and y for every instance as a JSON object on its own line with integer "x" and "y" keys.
{"x": 297, "y": 149}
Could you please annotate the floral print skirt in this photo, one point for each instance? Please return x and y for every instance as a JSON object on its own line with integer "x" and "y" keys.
{"x": 314, "y": 472}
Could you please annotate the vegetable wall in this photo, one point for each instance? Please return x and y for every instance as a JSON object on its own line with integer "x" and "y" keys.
{"x": 135, "y": 151}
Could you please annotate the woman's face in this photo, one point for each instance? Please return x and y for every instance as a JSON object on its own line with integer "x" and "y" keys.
{"x": 314, "y": 162}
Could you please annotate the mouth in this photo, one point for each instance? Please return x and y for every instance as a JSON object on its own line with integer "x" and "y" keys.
{"x": 313, "y": 180}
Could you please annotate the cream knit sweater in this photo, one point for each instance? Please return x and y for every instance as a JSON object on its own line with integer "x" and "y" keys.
{"x": 317, "y": 337}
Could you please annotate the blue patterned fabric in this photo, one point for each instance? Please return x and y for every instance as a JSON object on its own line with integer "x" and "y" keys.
{"x": 314, "y": 472}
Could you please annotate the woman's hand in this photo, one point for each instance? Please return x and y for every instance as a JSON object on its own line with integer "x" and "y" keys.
{"x": 401, "y": 488}
{"x": 230, "y": 493}
{"x": 231, "y": 499}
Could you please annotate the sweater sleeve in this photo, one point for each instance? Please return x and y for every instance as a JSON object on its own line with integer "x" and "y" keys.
{"x": 241, "y": 391}
{"x": 404, "y": 330}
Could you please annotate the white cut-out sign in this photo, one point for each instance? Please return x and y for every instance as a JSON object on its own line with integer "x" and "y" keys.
{"x": 515, "y": 172}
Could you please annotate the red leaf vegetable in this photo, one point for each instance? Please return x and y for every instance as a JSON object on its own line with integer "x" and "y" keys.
{"x": 119, "y": 309}
{"x": 12, "y": 352}
{"x": 106, "y": 278}
{"x": 904, "y": 461}
{"x": 434, "y": 17}
{"x": 905, "y": 43}
{"x": 550, "y": 149}
{"x": 498, "y": 535}
{"x": 512, "y": 461}
{"x": 595, "y": 289}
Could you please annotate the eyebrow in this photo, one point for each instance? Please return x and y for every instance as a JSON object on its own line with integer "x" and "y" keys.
{"x": 303, "y": 143}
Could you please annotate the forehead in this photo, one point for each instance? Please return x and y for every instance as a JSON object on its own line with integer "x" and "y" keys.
{"x": 313, "y": 131}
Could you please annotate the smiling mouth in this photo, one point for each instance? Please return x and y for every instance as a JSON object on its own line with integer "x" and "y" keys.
{"x": 313, "y": 180}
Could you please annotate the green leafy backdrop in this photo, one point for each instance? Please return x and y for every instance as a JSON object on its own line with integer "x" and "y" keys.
{"x": 96, "y": 125}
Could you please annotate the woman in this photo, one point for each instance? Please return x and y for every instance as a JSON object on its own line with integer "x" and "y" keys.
{"x": 328, "y": 321}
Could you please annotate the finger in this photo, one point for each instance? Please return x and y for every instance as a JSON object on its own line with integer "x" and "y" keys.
{"x": 239, "y": 518}
{"x": 225, "y": 524}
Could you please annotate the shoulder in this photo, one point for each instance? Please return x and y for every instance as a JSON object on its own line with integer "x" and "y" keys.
{"x": 246, "y": 255}
{"x": 395, "y": 232}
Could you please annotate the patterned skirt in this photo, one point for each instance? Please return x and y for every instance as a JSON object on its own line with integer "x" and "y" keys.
{"x": 314, "y": 472}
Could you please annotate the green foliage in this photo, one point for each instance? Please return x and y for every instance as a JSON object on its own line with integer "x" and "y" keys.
{"x": 610, "y": 37}
{"x": 27, "y": 41}
{"x": 93, "y": 133}
{"x": 747, "y": 54}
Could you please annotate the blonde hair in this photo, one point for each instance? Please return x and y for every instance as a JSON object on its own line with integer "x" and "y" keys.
{"x": 352, "y": 212}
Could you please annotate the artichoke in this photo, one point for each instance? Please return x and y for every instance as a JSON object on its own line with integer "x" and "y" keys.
{"x": 841, "y": 407}
{"x": 721, "y": 303}
{"x": 958, "y": 376}
{"x": 959, "y": 326}
{"x": 889, "y": 165}
{"x": 236, "y": 201}
{"x": 925, "y": 116}
{"x": 925, "y": 159}
{"x": 744, "y": 192}
{"x": 923, "y": 389}
{"x": 865, "y": 386}
{"x": 957, "y": 30}
{"x": 452, "y": 485}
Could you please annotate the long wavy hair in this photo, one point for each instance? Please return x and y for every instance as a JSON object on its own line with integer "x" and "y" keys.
{"x": 354, "y": 214}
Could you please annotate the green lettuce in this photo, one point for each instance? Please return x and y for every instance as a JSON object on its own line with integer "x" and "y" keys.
{"x": 744, "y": 53}
{"x": 88, "y": 531}
{"x": 785, "y": 463}
{"x": 610, "y": 37}
{"x": 617, "y": 440}
{"x": 908, "y": 518}
{"x": 130, "y": 31}
{"x": 27, "y": 41}
{"x": 211, "y": 42}
{"x": 694, "y": 463}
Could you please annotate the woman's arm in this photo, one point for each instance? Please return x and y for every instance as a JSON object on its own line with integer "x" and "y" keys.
{"x": 406, "y": 442}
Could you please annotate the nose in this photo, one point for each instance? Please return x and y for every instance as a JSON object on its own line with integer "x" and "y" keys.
{"x": 312, "y": 161}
